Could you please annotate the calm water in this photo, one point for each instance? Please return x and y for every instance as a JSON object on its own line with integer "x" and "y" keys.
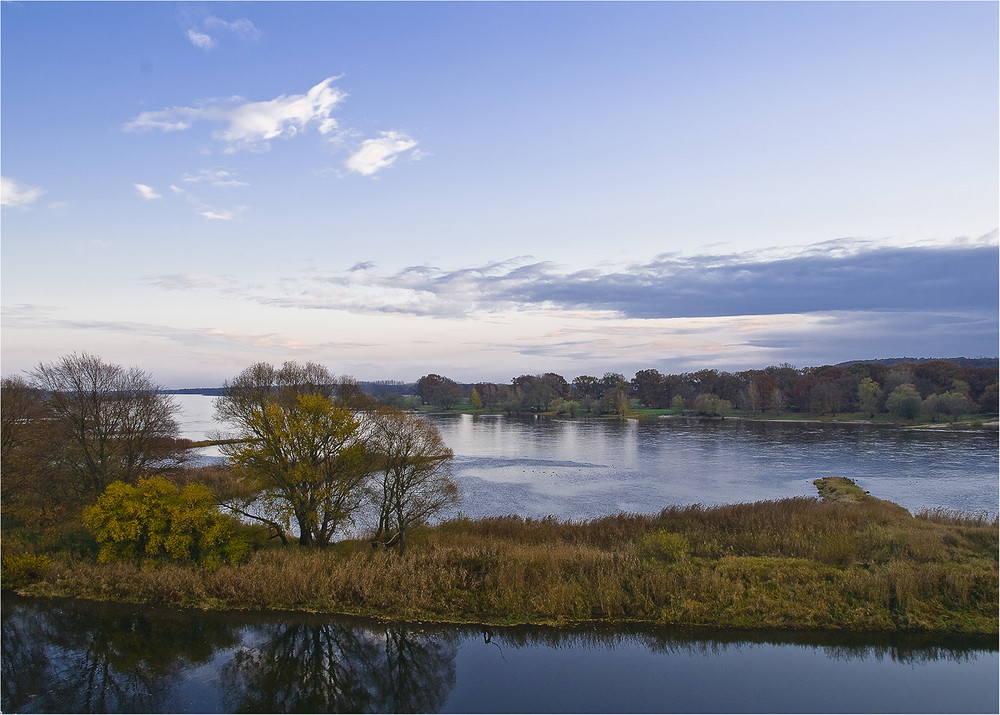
{"x": 582, "y": 469}
{"x": 67, "y": 656}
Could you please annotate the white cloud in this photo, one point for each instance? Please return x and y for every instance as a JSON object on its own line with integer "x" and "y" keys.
{"x": 218, "y": 215}
{"x": 377, "y": 154}
{"x": 215, "y": 177}
{"x": 251, "y": 125}
{"x": 13, "y": 194}
{"x": 166, "y": 120}
{"x": 200, "y": 39}
{"x": 203, "y": 209}
{"x": 242, "y": 28}
{"x": 147, "y": 192}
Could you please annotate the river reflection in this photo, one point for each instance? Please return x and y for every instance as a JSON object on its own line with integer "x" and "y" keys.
{"x": 72, "y": 656}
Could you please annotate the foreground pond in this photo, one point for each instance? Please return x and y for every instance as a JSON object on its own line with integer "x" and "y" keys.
{"x": 72, "y": 656}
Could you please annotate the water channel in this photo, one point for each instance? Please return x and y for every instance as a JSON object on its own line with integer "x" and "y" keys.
{"x": 70, "y": 656}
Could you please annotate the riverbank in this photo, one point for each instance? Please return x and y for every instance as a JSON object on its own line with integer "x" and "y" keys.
{"x": 847, "y": 562}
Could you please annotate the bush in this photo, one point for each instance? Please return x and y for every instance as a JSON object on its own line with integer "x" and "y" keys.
{"x": 23, "y": 569}
{"x": 156, "y": 520}
{"x": 665, "y": 546}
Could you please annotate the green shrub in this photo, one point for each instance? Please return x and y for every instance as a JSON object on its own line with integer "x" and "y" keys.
{"x": 155, "y": 520}
{"x": 663, "y": 546}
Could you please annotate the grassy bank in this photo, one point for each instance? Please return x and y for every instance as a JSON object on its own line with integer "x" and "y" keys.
{"x": 848, "y": 561}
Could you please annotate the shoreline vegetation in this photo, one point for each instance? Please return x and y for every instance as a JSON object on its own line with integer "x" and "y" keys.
{"x": 845, "y": 561}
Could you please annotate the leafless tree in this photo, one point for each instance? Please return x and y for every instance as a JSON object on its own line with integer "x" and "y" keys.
{"x": 415, "y": 481}
{"x": 116, "y": 422}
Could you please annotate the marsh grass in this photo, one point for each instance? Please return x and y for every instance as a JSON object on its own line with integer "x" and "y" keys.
{"x": 794, "y": 563}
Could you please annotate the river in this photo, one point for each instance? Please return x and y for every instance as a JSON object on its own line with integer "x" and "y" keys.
{"x": 582, "y": 469}
{"x": 72, "y": 656}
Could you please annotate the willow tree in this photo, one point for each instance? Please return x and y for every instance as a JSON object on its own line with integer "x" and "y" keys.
{"x": 302, "y": 456}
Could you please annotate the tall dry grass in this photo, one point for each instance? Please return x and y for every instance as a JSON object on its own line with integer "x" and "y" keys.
{"x": 796, "y": 563}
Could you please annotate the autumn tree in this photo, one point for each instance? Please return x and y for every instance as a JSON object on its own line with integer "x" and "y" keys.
{"x": 651, "y": 388}
{"x": 25, "y": 450}
{"x": 869, "y": 396}
{"x": 955, "y": 403}
{"x": 413, "y": 481}
{"x": 709, "y": 404}
{"x": 114, "y": 422}
{"x": 492, "y": 394}
{"x": 427, "y": 387}
{"x": 904, "y": 401}
{"x": 303, "y": 455}
{"x": 749, "y": 398}
{"x": 437, "y": 390}
{"x": 536, "y": 393}
{"x": 587, "y": 387}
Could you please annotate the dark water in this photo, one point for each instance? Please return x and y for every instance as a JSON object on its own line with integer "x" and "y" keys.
{"x": 71, "y": 656}
{"x": 581, "y": 469}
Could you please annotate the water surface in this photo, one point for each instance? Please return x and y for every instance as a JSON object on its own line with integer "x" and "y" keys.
{"x": 73, "y": 656}
{"x": 581, "y": 469}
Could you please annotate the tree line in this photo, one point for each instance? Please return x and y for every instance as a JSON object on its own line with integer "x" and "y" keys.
{"x": 91, "y": 452}
{"x": 936, "y": 388}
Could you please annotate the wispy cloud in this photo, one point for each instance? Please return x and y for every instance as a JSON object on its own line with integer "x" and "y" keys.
{"x": 214, "y": 177}
{"x": 200, "y": 39}
{"x": 252, "y": 125}
{"x": 188, "y": 281}
{"x": 213, "y": 213}
{"x": 379, "y": 153}
{"x": 14, "y": 194}
{"x": 147, "y": 192}
{"x": 242, "y": 28}
{"x": 49, "y": 317}
{"x": 220, "y": 215}
{"x": 839, "y": 276}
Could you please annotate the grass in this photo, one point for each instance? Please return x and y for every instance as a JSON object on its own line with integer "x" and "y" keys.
{"x": 855, "y": 563}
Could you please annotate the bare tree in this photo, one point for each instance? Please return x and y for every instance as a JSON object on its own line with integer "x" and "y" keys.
{"x": 116, "y": 422}
{"x": 415, "y": 482}
{"x": 25, "y": 446}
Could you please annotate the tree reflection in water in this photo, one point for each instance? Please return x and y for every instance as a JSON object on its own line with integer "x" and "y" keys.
{"x": 101, "y": 657}
{"x": 77, "y": 656}
{"x": 317, "y": 666}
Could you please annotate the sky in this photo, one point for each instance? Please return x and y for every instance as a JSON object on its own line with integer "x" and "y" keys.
{"x": 484, "y": 190}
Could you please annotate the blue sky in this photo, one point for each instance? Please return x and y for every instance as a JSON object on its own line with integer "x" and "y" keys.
{"x": 487, "y": 189}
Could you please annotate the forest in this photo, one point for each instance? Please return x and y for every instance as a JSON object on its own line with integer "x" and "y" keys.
{"x": 905, "y": 390}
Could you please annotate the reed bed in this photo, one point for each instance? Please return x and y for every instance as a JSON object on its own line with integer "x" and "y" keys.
{"x": 791, "y": 563}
